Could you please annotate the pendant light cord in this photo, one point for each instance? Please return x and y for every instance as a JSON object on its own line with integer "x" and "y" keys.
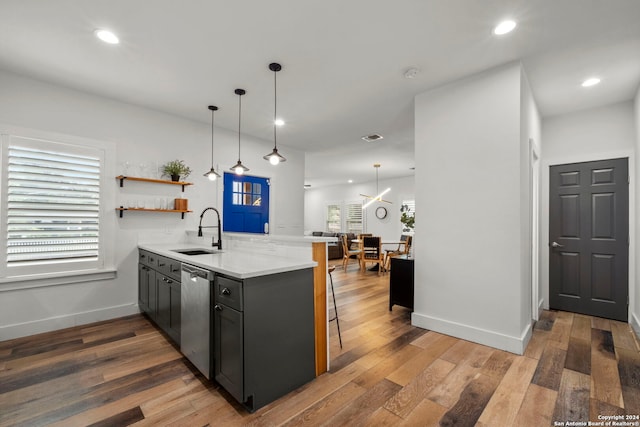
{"x": 212, "y": 118}
{"x": 275, "y": 109}
{"x": 239, "y": 117}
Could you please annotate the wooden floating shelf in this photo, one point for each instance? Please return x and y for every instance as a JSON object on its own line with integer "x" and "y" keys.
{"x": 180, "y": 211}
{"x": 121, "y": 178}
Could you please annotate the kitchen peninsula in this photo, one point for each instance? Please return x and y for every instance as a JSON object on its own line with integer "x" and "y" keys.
{"x": 246, "y": 320}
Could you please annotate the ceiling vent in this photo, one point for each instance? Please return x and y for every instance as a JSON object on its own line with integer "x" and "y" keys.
{"x": 372, "y": 138}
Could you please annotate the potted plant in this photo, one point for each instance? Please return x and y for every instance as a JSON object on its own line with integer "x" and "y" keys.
{"x": 175, "y": 169}
{"x": 407, "y": 218}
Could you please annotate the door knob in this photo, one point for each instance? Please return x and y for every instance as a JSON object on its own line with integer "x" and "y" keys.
{"x": 217, "y": 307}
{"x": 226, "y": 291}
{"x": 556, "y": 245}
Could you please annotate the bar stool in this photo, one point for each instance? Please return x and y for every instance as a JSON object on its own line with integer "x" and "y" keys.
{"x": 335, "y": 307}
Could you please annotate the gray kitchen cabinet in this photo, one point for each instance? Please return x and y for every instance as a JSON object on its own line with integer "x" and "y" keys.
{"x": 159, "y": 291}
{"x": 263, "y": 335}
{"x": 168, "y": 310}
{"x": 228, "y": 349}
{"x": 147, "y": 289}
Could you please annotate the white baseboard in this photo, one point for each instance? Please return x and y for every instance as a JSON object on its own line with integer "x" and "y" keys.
{"x": 540, "y": 307}
{"x": 497, "y": 340}
{"x": 60, "y": 322}
{"x": 635, "y": 324}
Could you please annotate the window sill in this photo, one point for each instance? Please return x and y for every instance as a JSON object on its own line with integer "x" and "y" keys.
{"x": 29, "y": 282}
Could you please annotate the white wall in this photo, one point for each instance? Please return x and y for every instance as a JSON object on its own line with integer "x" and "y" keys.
{"x": 139, "y": 135}
{"x": 389, "y": 228}
{"x": 469, "y": 248}
{"x": 595, "y": 134}
{"x": 530, "y": 134}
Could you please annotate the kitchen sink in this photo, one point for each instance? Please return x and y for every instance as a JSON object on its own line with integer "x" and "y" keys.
{"x": 196, "y": 251}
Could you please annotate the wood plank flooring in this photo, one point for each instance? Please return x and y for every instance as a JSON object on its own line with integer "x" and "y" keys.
{"x": 126, "y": 372}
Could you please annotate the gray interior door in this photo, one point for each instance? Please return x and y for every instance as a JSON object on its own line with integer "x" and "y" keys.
{"x": 589, "y": 238}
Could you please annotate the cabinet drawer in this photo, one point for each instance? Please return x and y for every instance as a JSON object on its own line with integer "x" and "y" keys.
{"x": 174, "y": 269}
{"x": 147, "y": 258}
{"x": 228, "y": 292}
{"x": 162, "y": 264}
{"x": 168, "y": 267}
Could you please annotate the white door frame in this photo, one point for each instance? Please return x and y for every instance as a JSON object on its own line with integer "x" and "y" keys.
{"x": 534, "y": 226}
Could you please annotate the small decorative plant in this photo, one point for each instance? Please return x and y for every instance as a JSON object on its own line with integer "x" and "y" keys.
{"x": 175, "y": 169}
{"x": 407, "y": 218}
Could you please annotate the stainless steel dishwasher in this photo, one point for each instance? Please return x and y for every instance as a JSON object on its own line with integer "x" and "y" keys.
{"x": 195, "y": 317}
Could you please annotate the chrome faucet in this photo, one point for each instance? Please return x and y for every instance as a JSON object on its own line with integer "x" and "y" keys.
{"x": 200, "y": 227}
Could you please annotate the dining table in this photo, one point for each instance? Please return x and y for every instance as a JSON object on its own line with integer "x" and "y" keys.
{"x": 382, "y": 243}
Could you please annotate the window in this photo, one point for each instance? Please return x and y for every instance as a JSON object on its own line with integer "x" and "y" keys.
{"x": 345, "y": 216}
{"x": 52, "y": 209}
{"x": 354, "y": 222}
{"x": 333, "y": 219}
{"x": 247, "y": 193}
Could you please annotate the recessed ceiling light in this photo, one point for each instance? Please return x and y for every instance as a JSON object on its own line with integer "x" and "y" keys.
{"x": 350, "y": 181}
{"x": 590, "y": 82}
{"x": 307, "y": 186}
{"x": 279, "y": 122}
{"x": 504, "y": 27}
{"x": 107, "y": 36}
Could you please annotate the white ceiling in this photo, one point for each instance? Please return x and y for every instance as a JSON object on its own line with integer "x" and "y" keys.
{"x": 343, "y": 62}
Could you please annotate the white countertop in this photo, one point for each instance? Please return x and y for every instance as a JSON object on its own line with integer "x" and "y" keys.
{"x": 234, "y": 263}
{"x": 273, "y": 237}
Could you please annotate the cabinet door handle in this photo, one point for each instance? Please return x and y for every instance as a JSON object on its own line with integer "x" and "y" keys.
{"x": 143, "y": 256}
{"x": 161, "y": 265}
{"x": 175, "y": 270}
{"x": 169, "y": 281}
{"x": 226, "y": 291}
{"x": 218, "y": 307}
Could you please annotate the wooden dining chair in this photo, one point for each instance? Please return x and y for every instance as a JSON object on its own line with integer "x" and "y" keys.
{"x": 361, "y": 237}
{"x": 348, "y": 253}
{"x": 403, "y": 249}
{"x": 372, "y": 252}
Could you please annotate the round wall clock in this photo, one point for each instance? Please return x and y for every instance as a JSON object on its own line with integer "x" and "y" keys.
{"x": 381, "y": 212}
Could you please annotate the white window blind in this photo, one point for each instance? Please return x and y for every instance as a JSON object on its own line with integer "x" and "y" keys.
{"x": 333, "y": 218}
{"x": 409, "y": 206}
{"x": 53, "y": 212}
{"x": 354, "y": 218}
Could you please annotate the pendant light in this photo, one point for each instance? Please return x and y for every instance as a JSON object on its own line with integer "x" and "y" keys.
{"x": 377, "y": 198}
{"x": 274, "y": 157}
{"x": 212, "y": 174}
{"x": 239, "y": 168}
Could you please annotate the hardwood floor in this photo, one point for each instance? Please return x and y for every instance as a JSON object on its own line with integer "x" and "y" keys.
{"x": 125, "y": 372}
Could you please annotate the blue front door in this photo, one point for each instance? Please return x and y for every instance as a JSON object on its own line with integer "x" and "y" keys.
{"x": 246, "y": 203}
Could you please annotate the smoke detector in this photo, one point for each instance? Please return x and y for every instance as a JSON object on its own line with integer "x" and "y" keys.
{"x": 372, "y": 138}
{"x": 411, "y": 73}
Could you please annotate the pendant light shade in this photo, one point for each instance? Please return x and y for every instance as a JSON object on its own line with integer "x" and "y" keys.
{"x": 274, "y": 157}
{"x": 212, "y": 174}
{"x": 239, "y": 168}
